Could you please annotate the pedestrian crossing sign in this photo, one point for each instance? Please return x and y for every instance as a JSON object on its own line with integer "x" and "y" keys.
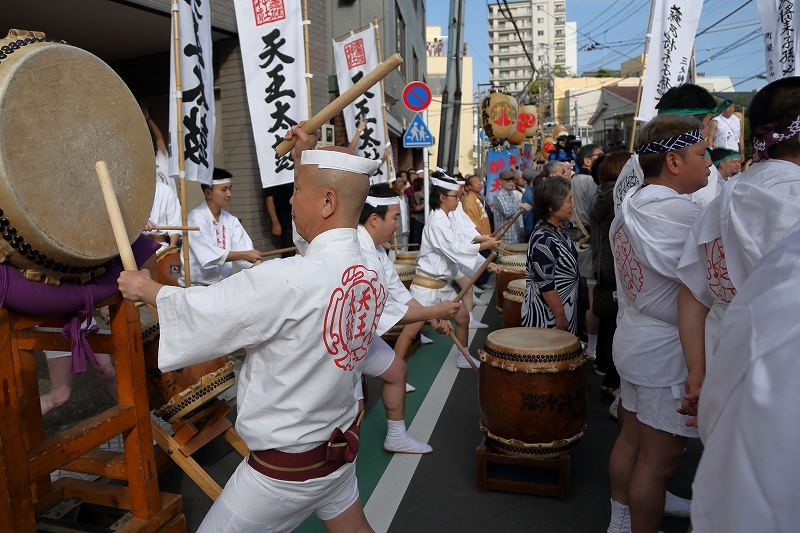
{"x": 417, "y": 135}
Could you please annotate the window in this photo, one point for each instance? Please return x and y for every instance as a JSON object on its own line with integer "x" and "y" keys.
{"x": 540, "y": 33}
{"x": 417, "y": 74}
{"x": 540, "y": 20}
{"x": 559, "y": 58}
{"x": 400, "y": 27}
{"x": 560, "y": 20}
{"x": 559, "y": 33}
{"x": 541, "y": 59}
{"x": 503, "y": 62}
{"x": 539, "y": 8}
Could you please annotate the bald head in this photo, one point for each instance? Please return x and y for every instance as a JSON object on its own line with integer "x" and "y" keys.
{"x": 327, "y": 198}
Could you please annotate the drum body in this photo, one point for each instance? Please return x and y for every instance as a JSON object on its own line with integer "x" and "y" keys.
{"x": 406, "y": 273}
{"x": 511, "y": 267}
{"x": 176, "y": 393}
{"x": 532, "y": 391}
{"x": 62, "y": 110}
{"x": 514, "y": 249}
{"x": 409, "y": 258}
{"x": 512, "y": 303}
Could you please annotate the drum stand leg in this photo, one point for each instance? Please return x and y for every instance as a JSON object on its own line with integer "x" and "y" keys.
{"x": 485, "y": 455}
{"x": 194, "y": 431}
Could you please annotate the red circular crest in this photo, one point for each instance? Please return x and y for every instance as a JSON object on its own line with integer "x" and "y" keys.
{"x": 718, "y": 279}
{"x": 630, "y": 272}
{"x": 352, "y": 315}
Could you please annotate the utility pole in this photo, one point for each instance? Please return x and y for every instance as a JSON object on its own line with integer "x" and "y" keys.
{"x": 447, "y": 157}
{"x": 575, "y": 117}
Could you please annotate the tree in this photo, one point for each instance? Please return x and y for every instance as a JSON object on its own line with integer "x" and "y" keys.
{"x": 604, "y": 73}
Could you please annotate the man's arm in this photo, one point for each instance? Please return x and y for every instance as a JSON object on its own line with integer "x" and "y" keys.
{"x": 354, "y": 141}
{"x": 157, "y": 136}
{"x": 138, "y": 286}
{"x": 712, "y": 130}
{"x": 273, "y": 216}
{"x": 691, "y": 328}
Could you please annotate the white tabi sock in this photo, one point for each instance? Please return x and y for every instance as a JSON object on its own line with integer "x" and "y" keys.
{"x": 677, "y": 506}
{"x": 398, "y": 440}
{"x": 592, "y": 348}
{"x": 620, "y": 518}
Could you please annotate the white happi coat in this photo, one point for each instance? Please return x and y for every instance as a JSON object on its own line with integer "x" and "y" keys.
{"x": 397, "y": 296}
{"x": 647, "y": 238}
{"x": 209, "y": 247}
{"x": 632, "y": 176}
{"x": 162, "y": 172}
{"x": 166, "y": 209}
{"x": 749, "y": 476}
{"x": 306, "y": 321}
{"x": 752, "y": 214}
{"x": 443, "y": 252}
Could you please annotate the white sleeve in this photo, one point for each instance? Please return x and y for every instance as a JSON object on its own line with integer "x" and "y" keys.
{"x": 202, "y": 244}
{"x": 465, "y": 255}
{"x": 240, "y": 240}
{"x": 692, "y": 272}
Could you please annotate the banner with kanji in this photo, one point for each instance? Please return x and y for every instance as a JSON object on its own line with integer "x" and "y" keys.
{"x": 355, "y": 57}
{"x": 779, "y": 19}
{"x": 526, "y": 156}
{"x": 197, "y": 88}
{"x": 669, "y": 53}
{"x": 496, "y": 162}
{"x": 274, "y": 59}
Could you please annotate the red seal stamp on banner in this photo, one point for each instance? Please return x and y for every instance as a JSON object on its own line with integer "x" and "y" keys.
{"x": 718, "y": 279}
{"x": 267, "y": 11}
{"x": 354, "y": 53}
{"x": 631, "y": 276}
{"x": 352, "y": 315}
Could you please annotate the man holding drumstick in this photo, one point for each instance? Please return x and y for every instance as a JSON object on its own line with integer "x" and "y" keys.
{"x": 307, "y": 322}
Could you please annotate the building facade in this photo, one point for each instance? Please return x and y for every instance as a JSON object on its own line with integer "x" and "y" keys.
{"x": 550, "y": 40}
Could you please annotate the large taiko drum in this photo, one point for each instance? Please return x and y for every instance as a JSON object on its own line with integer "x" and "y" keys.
{"x": 406, "y": 257}
{"x": 178, "y": 393}
{"x": 63, "y": 110}
{"x": 512, "y": 303}
{"x": 511, "y": 267}
{"x": 498, "y": 115}
{"x": 532, "y": 391}
{"x": 406, "y": 273}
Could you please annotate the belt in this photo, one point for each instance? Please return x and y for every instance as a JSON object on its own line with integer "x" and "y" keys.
{"x": 318, "y": 462}
{"x": 429, "y": 283}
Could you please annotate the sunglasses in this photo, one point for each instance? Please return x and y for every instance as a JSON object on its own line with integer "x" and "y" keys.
{"x": 508, "y": 179}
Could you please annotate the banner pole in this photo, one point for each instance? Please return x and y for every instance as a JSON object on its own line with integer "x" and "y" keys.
{"x": 306, "y": 23}
{"x": 390, "y": 160}
{"x": 641, "y": 75}
{"x": 179, "y": 134}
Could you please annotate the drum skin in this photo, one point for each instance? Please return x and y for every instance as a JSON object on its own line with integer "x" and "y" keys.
{"x": 405, "y": 272}
{"x": 532, "y": 388}
{"x": 162, "y": 386}
{"x": 511, "y": 267}
{"x": 512, "y": 303}
{"x": 62, "y": 110}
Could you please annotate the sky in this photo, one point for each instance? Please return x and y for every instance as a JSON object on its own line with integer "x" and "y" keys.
{"x": 618, "y": 28}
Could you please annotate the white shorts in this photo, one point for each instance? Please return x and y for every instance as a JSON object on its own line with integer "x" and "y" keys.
{"x": 657, "y": 407}
{"x": 428, "y": 297}
{"x": 380, "y": 357}
{"x": 254, "y": 503}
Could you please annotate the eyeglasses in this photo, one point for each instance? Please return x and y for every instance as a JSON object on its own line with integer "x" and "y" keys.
{"x": 508, "y": 179}
{"x": 453, "y": 195}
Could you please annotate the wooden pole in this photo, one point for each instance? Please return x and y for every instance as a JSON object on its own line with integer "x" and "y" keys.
{"x": 644, "y": 65}
{"x": 279, "y": 251}
{"x": 463, "y": 351}
{"x": 176, "y": 30}
{"x": 389, "y": 161}
{"x": 345, "y": 99}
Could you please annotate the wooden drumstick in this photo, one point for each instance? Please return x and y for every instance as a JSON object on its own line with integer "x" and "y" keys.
{"x": 508, "y": 225}
{"x": 344, "y": 100}
{"x": 279, "y": 251}
{"x": 463, "y": 351}
{"x": 409, "y": 245}
{"x": 475, "y": 277}
{"x": 177, "y": 228}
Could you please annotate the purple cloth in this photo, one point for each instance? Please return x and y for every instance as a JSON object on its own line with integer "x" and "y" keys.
{"x": 71, "y": 299}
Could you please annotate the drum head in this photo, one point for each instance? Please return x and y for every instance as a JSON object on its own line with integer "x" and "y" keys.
{"x": 62, "y": 110}
{"x": 541, "y": 343}
{"x": 513, "y": 263}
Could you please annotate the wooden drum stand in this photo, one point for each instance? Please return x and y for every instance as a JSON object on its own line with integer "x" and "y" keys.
{"x": 27, "y": 459}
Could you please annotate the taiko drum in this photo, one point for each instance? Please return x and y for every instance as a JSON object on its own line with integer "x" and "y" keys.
{"x": 512, "y": 303}
{"x": 532, "y": 391}
{"x": 406, "y": 257}
{"x": 406, "y": 273}
{"x": 511, "y": 267}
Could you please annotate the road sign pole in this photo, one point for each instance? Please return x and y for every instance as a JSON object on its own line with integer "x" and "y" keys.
{"x": 427, "y": 186}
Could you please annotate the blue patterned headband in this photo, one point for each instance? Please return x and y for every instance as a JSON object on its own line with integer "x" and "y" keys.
{"x": 670, "y": 145}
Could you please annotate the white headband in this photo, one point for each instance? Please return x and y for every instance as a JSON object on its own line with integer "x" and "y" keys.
{"x": 445, "y": 184}
{"x": 340, "y": 161}
{"x": 375, "y": 202}
{"x": 222, "y": 181}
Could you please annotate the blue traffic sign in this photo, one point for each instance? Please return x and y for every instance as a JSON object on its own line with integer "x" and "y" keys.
{"x": 417, "y": 135}
{"x": 417, "y": 96}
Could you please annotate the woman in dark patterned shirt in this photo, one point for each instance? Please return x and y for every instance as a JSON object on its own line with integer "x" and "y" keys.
{"x": 551, "y": 289}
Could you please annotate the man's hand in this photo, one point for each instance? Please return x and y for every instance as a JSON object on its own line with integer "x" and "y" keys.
{"x": 304, "y": 141}
{"x": 443, "y": 327}
{"x": 276, "y": 229}
{"x": 131, "y": 284}
{"x": 493, "y": 268}
{"x": 525, "y": 206}
{"x": 562, "y": 323}
{"x": 150, "y": 226}
{"x": 251, "y": 256}
{"x": 490, "y": 243}
{"x": 447, "y": 309}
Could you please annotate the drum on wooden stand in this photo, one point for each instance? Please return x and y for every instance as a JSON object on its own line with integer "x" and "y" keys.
{"x": 513, "y": 249}
{"x": 406, "y": 273}
{"x": 512, "y": 303}
{"x": 532, "y": 391}
{"x": 511, "y": 267}
{"x": 63, "y": 110}
{"x": 409, "y": 258}
{"x": 178, "y": 393}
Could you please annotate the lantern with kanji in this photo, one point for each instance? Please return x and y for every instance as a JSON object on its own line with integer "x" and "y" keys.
{"x": 527, "y": 117}
{"x": 498, "y": 115}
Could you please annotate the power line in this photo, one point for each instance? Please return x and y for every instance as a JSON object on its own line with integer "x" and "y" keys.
{"x": 723, "y": 18}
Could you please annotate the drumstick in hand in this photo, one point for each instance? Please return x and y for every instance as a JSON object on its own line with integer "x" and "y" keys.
{"x": 463, "y": 351}
{"x": 475, "y": 277}
{"x": 507, "y": 227}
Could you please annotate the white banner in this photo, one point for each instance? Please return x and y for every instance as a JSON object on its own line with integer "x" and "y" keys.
{"x": 669, "y": 53}
{"x": 356, "y": 56}
{"x": 274, "y": 59}
{"x": 197, "y": 84}
{"x": 779, "y": 19}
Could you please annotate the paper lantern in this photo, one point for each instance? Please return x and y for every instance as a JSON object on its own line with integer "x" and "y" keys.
{"x": 498, "y": 115}
{"x": 528, "y": 116}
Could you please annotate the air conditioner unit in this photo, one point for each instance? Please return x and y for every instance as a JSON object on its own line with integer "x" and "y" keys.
{"x": 328, "y": 135}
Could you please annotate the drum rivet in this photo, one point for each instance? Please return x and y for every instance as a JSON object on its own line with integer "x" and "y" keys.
{"x": 6, "y": 236}
{"x": 40, "y": 262}
{"x": 4, "y": 222}
{"x": 1, "y": 212}
{"x": 42, "y": 257}
{"x": 14, "y": 244}
{"x": 19, "y": 239}
{"x": 12, "y": 230}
